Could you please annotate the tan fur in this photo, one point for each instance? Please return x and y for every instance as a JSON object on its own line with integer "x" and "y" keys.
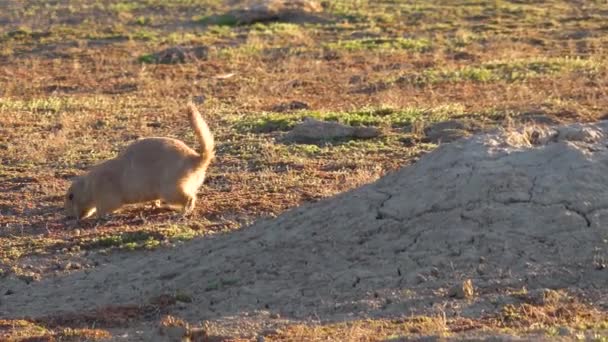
{"x": 151, "y": 169}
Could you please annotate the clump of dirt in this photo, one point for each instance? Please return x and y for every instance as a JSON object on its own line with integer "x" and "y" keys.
{"x": 480, "y": 211}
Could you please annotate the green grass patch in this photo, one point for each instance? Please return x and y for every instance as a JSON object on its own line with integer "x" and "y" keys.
{"x": 277, "y": 29}
{"x": 512, "y": 71}
{"x": 300, "y": 150}
{"x": 125, "y": 6}
{"x": 16, "y": 247}
{"x": 385, "y": 117}
{"x": 220, "y": 31}
{"x": 242, "y": 51}
{"x": 147, "y": 58}
{"x": 142, "y": 21}
{"x": 388, "y": 144}
{"x": 180, "y": 233}
{"x": 21, "y": 33}
{"x": 409, "y": 44}
{"x": 349, "y": 11}
{"x": 220, "y": 20}
{"x": 142, "y": 239}
{"x": 128, "y": 240}
{"x": 143, "y": 34}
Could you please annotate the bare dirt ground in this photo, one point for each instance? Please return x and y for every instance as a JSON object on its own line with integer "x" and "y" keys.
{"x": 498, "y": 235}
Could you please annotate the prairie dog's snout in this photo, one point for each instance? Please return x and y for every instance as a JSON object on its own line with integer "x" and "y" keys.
{"x": 149, "y": 169}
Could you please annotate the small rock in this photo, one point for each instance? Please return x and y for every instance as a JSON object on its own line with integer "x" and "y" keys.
{"x": 290, "y": 106}
{"x": 100, "y": 124}
{"x": 463, "y": 290}
{"x": 564, "y": 331}
{"x": 311, "y": 131}
{"x": 355, "y": 79}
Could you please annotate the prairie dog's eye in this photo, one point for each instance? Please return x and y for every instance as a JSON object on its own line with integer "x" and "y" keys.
{"x": 71, "y": 197}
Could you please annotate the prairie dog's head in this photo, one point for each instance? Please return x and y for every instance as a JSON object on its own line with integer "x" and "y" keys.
{"x": 77, "y": 200}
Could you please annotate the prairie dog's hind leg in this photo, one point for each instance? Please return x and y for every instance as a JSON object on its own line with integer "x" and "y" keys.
{"x": 184, "y": 201}
{"x": 189, "y": 207}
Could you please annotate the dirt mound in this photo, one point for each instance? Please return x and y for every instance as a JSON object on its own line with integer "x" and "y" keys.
{"x": 505, "y": 209}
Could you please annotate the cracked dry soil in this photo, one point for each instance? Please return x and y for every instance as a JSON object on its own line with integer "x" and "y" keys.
{"x": 500, "y": 214}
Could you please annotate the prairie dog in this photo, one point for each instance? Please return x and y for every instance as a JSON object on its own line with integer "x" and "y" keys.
{"x": 149, "y": 169}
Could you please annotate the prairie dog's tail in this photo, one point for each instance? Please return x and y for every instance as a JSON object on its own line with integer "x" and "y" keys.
{"x": 204, "y": 136}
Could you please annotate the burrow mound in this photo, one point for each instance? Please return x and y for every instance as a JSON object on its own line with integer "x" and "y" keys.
{"x": 507, "y": 209}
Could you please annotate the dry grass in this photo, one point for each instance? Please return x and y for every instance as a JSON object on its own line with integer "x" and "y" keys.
{"x": 366, "y": 330}
{"x": 23, "y": 330}
{"x": 75, "y": 89}
{"x": 536, "y": 320}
